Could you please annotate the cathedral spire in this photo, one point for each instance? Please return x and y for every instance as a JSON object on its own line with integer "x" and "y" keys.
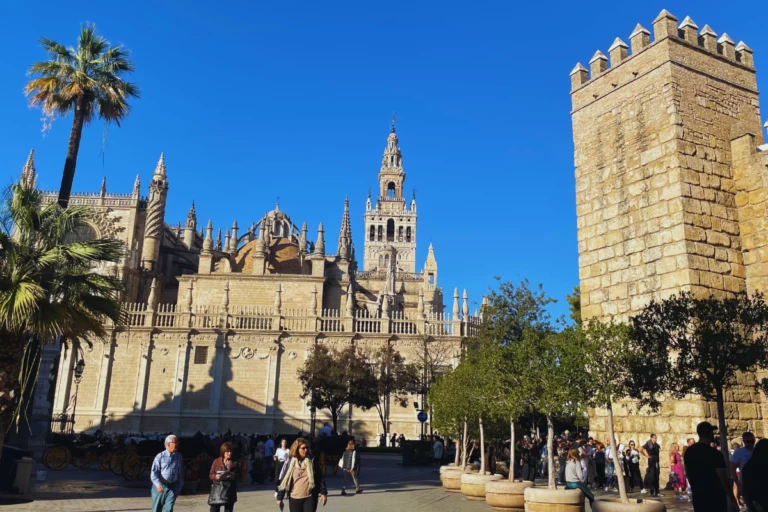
{"x": 192, "y": 217}
{"x": 28, "y": 173}
{"x": 160, "y": 167}
{"x": 345, "y": 233}
{"x": 320, "y": 244}
{"x": 137, "y": 186}
{"x": 103, "y": 190}
{"x": 393, "y": 159}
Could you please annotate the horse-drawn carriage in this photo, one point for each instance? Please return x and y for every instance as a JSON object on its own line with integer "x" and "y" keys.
{"x": 80, "y": 450}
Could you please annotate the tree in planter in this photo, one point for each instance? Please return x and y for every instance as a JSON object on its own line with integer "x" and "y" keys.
{"x": 48, "y": 288}
{"x": 692, "y": 345}
{"x": 87, "y": 81}
{"x": 552, "y": 367}
{"x": 609, "y": 352}
{"x": 331, "y": 379}
{"x": 448, "y": 418}
{"x": 390, "y": 380}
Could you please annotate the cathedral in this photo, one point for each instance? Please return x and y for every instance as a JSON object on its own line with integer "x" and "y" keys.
{"x": 216, "y": 325}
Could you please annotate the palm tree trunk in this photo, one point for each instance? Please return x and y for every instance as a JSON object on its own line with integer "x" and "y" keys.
{"x": 550, "y": 455}
{"x": 511, "y": 450}
{"x": 617, "y": 456}
{"x": 65, "y": 190}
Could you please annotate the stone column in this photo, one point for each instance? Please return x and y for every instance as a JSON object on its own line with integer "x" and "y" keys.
{"x": 218, "y": 373}
{"x": 105, "y": 372}
{"x": 64, "y": 381}
{"x": 142, "y": 379}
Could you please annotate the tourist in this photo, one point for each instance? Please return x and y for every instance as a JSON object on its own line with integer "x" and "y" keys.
{"x": 450, "y": 451}
{"x": 562, "y": 455}
{"x": 302, "y": 479}
{"x": 589, "y": 450}
{"x": 754, "y": 477}
{"x": 224, "y": 469}
{"x": 325, "y": 431}
{"x": 400, "y": 440}
{"x": 393, "y": 440}
{"x": 282, "y": 454}
{"x": 651, "y": 451}
{"x": 528, "y": 462}
{"x": 383, "y": 440}
{"x": 350, "y": 463}
{"x": 677, "y": 472}
{"x": 574, "y": 477}
{"x": 688, "y": 443}
{"x": 437, "y": 454}
{"x": 167, "y": 475}
{"x": 269, "y": 454}
{"x": 633, "y": 461}
{"x": 739, "y": 458}
{"x": 707, "y": 473}
{"x": 609, "y": 466}
{"x": 599, "y": 465}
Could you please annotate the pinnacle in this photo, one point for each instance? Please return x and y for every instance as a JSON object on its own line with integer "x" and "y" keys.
{"x": 639, "y": 29}
{"x": 688, "y": 22}
{"x": 28, "y": 172}
{"x": 742, "y": 47}
{"x": 665, "y": 14}
{"x": 160, "y": 168}
{"x": 618, "y": 43}
{"x": 707, "y": 30}
{"x": 598, "y": 56}
{"x": 725, "y": 38}
{"x": 579, "y": 67}
{"x": 30, "y": 160}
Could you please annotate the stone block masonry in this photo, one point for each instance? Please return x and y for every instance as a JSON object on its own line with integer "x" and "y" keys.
{"x": 671, "y": 189}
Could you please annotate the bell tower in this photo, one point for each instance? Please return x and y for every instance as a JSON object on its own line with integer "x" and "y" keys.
{"x": 391, "y": 222}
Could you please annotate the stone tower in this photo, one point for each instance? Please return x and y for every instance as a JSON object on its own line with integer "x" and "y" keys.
{"x": 153, "y": 230}
{"x": 190, "y": 227}
{"x": 670, "y": 194}
{"x": 391, "y": 223}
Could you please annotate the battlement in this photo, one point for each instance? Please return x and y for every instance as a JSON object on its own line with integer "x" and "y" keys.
{"x": 665, "y": 28}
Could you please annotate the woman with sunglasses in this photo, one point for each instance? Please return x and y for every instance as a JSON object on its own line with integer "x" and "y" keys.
{"x": 302, "y": 479}
{"x": 633, "y": 459}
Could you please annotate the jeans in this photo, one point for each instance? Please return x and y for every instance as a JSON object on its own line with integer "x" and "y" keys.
{"x": 303, "y": 505}
{"x": 561, "y": 473}
{"x": 163, "y": 501}
{"x": 353, "y": 474}
{"x": 580, "y": 485}
{"x": 609, "y": 469}
{"x": 227, "y": 508}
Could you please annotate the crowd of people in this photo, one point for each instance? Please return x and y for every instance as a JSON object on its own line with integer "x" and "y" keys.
{"x": 295, "y": 471}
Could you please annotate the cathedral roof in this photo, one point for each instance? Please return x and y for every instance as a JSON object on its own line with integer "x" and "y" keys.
{"x": 283, "y": 257}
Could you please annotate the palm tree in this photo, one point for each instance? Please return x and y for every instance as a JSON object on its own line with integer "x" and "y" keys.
{"x": 85, "y": 80}
{"x": 48, "y": 288}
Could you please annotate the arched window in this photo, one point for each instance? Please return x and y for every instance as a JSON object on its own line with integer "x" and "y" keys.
{"x": 380, "y": 233}
{"x": 81, "y": 233}
{"x": 400, "y": 234}
{"x": 372, "y": 235}
{"x": 390, "y": 230}
{"x": 408, "y": 234}
{"x": 391, "y": 190}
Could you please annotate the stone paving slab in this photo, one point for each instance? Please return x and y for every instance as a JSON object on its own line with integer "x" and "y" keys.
{"x": 387, "y": 487}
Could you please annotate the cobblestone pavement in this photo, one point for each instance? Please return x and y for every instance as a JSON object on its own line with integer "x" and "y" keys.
{"x": 387, "y": 487}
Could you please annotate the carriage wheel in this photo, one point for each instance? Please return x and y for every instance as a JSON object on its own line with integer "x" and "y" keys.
{"x": 57, "y": 457}
{"x": 86, "y": 460}
{"x": 131, "y": 466}
{"x": 116, "y": 461}
{"x": 104, "y": 461}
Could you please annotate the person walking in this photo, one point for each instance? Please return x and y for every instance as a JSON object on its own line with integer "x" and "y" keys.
{"x": 574, "y": 475}
{"x": 754, "y": 477}
{"x": 269, "y": 455}
{"x": 609, "y": 466}
{"x": 707, "y": 473}
{"x": 350, "y": 463}
{"x": 225, "y": 470}
{"x": 677, "y": 472}
{"x": 437, "y": 454}
{"x": 167, "y": 475}
{"x": 633, "y": 461}
{"x": 302, "y": 479}
{"x": 651, "y": 451}
{"x": 282, "y": 454}
{"x": 739, "y": 458}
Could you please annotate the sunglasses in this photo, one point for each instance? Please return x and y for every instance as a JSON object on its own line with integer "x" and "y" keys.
{"x": 302, "y": 447}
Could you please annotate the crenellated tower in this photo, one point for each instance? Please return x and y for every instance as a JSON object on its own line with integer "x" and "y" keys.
{"x": 391, "y": 223}
{"x": 153, "y": 229}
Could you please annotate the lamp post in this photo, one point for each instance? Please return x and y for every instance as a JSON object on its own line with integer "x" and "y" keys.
{"x": 79, "y": 368}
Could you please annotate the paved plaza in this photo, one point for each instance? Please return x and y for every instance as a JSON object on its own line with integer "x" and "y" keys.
{"x": 387, "y": 487}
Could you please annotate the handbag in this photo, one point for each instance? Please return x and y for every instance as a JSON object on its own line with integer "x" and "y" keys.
{"x": 220, "y": 492}
{"x": 673, "y": 479}
{"x": 341, "y": 462}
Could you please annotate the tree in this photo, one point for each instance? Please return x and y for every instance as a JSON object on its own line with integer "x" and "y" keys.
{"x": 48, "y": 288}
{"x": 574, "y": 305}
{"x": 513, "y": 309}
{"x": 699, "y": 346}
{"x": 390, "y": 380}
{"x": 87, "y": 81}
{"x": 609, "y": 350}
{"x": 331, "y": 379}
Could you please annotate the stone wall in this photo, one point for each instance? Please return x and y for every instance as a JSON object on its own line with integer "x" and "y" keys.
{"x": 666, "y": 202}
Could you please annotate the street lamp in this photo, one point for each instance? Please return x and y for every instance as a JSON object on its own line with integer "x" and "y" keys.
{"x": 79, "y": 369}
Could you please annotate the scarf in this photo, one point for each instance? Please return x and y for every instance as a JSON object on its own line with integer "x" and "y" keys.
{"x": 285, "y": 483}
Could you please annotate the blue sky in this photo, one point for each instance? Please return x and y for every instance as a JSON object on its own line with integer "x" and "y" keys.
{"x": 254, "y": 100}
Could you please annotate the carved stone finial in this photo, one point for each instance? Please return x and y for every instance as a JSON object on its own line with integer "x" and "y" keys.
{"x": 28, "y": 173}
{"x": 103, "y": 189}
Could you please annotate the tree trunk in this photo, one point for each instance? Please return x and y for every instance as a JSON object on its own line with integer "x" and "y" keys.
{"x": 335, "y": 418}
{"x": 458, "y": 454}
{"x": 550, "y": 455}
{"x": 511, "y": 450}
{"x": 464, "y": 446}
{"x": 617, "y": 456}
{"x": 721, "y": 426}
{"x": 482, "y": 448}
{"x": 72, "y": 149}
